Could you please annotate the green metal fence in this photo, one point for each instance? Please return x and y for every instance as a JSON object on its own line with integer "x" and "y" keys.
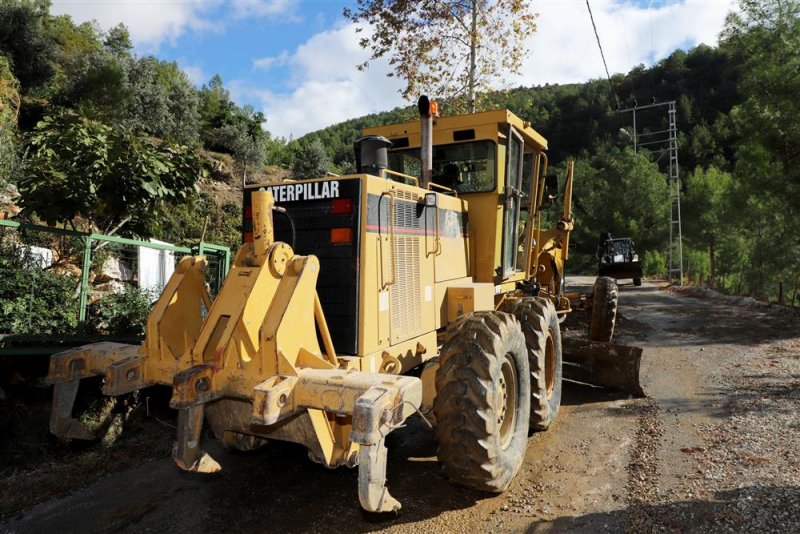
{"x": 82, "y": 258}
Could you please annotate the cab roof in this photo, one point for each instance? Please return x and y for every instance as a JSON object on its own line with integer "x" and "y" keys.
{"x": 486, "y": 125}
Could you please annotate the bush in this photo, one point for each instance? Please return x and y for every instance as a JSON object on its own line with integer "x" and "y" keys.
{"x": 34, "y": 300}
{"x": 698, "y": 267}
{"x": 655, "y": 264}
{"x": 121, "y": 314}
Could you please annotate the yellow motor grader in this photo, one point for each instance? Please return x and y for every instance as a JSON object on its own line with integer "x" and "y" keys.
{"x": 427, "y": 282}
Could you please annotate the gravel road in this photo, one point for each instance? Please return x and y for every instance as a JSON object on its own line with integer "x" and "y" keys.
{"x": 713, "y": 449}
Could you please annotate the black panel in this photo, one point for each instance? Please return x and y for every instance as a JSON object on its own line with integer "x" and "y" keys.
{"x": 337, "y": 284}
{"x": 400, "y": 142}
{"x": 463, "y": 135}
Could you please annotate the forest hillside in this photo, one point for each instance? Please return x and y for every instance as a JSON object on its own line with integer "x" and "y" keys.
{"x": 86, "y": 122}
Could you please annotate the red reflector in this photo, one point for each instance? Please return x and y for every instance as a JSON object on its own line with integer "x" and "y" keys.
{"x": 341, "y": 235}
{"x": 248, "y": 212}
{"x": 342, "y": 206}
{"x": 248, "y": 237}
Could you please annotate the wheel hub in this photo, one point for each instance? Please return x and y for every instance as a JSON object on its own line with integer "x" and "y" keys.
{"x": 507, "y": 409}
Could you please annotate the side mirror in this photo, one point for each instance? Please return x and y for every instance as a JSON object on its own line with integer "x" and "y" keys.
{"x": 551, "y": 186}
{"x": 550, "y": 190}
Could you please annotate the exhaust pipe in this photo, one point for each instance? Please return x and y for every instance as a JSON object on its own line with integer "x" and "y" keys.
{"x": 428, "y": 109}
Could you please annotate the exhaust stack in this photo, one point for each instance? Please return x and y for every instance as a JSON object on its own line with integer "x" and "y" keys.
{"x": 428, "y": 109}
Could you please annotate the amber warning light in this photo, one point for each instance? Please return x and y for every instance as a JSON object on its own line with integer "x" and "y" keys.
{"x": 341, "y": 236}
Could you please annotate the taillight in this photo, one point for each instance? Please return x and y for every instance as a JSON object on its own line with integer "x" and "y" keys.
{"x": 340, "y": 236}
{"x": 248, "y": 237}
{"x": 342, "y": 206}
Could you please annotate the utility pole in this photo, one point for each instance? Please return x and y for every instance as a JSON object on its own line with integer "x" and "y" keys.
{"x": 665, "y": 142}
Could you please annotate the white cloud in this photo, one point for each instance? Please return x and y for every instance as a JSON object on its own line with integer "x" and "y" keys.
{"x": 266, "y": 63}
{"x": 149, "y": 22}
{"x": 270, "y": 9}
{"x": 153, "y": 22}
{"x": 564, "y": 49}
{"x": 195, "y": 73}
{"x": 327, "y": 88}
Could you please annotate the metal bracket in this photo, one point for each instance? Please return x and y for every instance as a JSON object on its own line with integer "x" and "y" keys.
{"x": 193, "y": 387}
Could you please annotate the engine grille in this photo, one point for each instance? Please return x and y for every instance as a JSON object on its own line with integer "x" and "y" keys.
{"x": 337, "y": 285}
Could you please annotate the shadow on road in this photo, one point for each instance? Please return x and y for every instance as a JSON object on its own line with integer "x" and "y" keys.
{"x": 687, "y": 321}
{"x": 749, "y": 509}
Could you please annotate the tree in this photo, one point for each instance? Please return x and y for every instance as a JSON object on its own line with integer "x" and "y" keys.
{"x": 162, "y": 100}
{"x": 453, "y": 49}
{"x": 310, "y": 161}
{"x": 766, "y": 34}
{"x": 25, "y": 42}
{"x": 705, "y": 211}
{"x": 215, "y": 107}
{"x": 111, "y": 177}
{"x": 118, "y": 40}
{"x": 9, "y": 110}
{"x": 623, "y": 193}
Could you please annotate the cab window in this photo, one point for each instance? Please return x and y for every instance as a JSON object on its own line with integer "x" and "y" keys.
{"x": 465, "y": 167}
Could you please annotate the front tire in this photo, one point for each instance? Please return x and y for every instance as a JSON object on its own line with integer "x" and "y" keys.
{"x": 482, "y": 406}
{"x": 540, "y": 325}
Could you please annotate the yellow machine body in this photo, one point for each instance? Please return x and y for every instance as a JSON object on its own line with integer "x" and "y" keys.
{"x": 262, "y": 361}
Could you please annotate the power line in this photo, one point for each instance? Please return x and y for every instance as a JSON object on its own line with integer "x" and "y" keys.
{"x": 602, "y": 55}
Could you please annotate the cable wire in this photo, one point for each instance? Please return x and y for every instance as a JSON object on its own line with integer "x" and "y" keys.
{"x": 602, "y": 55}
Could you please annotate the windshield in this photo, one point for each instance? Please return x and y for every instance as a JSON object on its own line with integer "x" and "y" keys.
{"x": 622, "y": 247}
{"x": 465, "y": 167}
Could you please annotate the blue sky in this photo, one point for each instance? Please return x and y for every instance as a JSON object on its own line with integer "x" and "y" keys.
{"x": 295, "y": 59}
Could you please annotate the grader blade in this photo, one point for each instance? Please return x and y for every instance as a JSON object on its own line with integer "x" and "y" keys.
{"x": 606, "y": 365}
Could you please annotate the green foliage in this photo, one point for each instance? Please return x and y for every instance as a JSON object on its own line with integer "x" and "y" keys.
{"x": 162, "y": 101}
{"x": 706, "y": 210}
{"x": 310, "y": 161}
{"x": 655, "y": 264}
{"x": 26, "y": 43}
{"x": 227, "y": 128}
{"x": 121, "y": 313}
{"x": 33, "y": 300}
{"x": 183, "y": 225}
{"x": 118, "y": 40}
{"x": 109, "y": 176}
{"x": 622, "y": 193}
{"x": 9, "y": 108}
{"x": 277, "y": 152}
{"x": 144, "y": 94}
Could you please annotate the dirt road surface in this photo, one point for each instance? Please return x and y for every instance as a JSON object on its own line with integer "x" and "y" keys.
{"x": 713, "y": 449}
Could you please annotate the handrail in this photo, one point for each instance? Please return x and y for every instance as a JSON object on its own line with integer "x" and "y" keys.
{"x": 403, "y": 176}
{"x": 443, "y": 188}
{"x": 392, "y": 246}
{"x": 438, "y": 237}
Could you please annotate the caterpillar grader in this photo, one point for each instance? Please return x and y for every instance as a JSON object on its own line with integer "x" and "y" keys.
{"x": 426, "y": 283}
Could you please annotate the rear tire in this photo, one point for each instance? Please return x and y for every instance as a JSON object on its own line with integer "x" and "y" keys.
{"x": 482, "y": 406}
{"x": 637, "y": 282}
{"x": 604, "y": 309}
{"x": 540, "y": 324}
